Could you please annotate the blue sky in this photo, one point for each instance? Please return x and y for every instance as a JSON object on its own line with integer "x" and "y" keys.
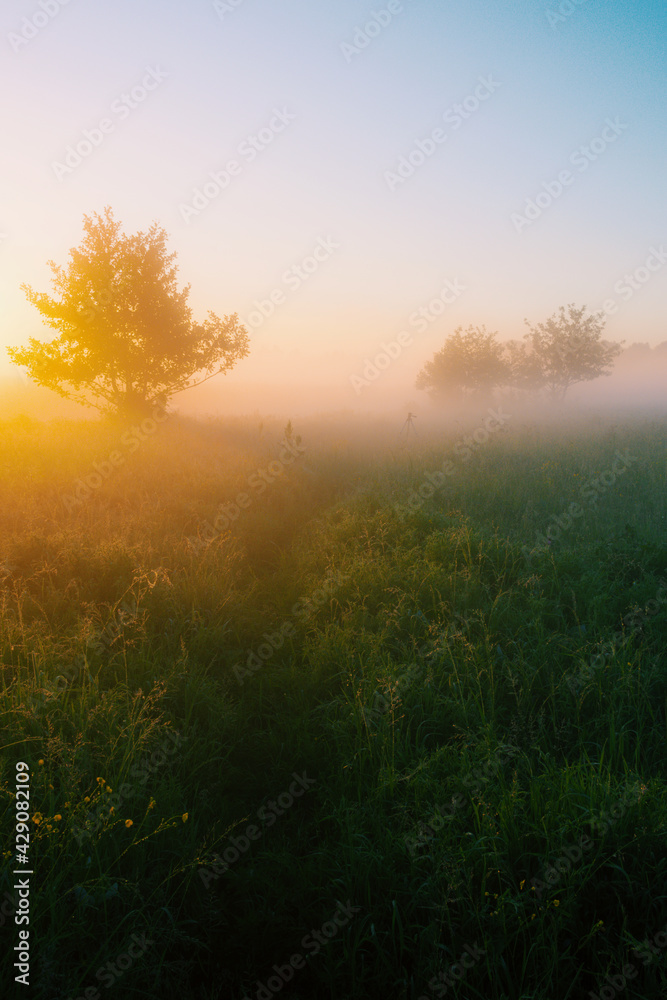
{"x": 220, "y": 76}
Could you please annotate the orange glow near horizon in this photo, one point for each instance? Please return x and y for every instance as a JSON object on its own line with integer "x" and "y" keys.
{"x": 348, "y": 181}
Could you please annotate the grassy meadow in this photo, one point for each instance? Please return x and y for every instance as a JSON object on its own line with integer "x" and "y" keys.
{"x": 353, "y": 741}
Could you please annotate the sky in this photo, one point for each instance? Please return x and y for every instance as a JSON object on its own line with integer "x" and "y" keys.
{"x": 483, "y": 161}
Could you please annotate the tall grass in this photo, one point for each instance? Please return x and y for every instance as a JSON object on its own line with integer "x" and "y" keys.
{"x": 433, "y": 681}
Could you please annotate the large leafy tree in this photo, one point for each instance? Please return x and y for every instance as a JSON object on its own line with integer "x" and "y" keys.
{"x": 566, "y": 349}
{"x": 471, "y": 362}
{"x": 524, "y": 370}
{"x": 127, "y": 338}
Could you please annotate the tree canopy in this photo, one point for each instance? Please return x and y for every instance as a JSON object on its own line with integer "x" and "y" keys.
{"x": 566, "y": 349}
{"x": 471, "y": 362}
{"x": 127, "y": 338}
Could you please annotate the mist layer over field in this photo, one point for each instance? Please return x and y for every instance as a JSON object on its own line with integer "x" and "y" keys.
{"x": 288, "y": 386}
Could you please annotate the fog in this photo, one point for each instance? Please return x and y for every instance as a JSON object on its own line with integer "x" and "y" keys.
{"x": 292, "y": 385}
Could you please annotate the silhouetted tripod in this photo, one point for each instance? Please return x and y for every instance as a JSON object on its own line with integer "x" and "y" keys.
{"x": 409, "y": 426}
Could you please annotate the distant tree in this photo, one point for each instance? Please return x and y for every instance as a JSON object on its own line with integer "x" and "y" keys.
{"x": 567, "y": 349}
{"x": 127, "y": 339}
{"x": 524, "y": 369}
{"x": 470, "y": 363}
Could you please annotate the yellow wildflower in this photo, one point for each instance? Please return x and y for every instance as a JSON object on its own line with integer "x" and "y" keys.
{"x": 184, "y": 817}
{"x": 57, "y": 817}
{"x": 129, "y": 823}
{"x": 37, "y": 818}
